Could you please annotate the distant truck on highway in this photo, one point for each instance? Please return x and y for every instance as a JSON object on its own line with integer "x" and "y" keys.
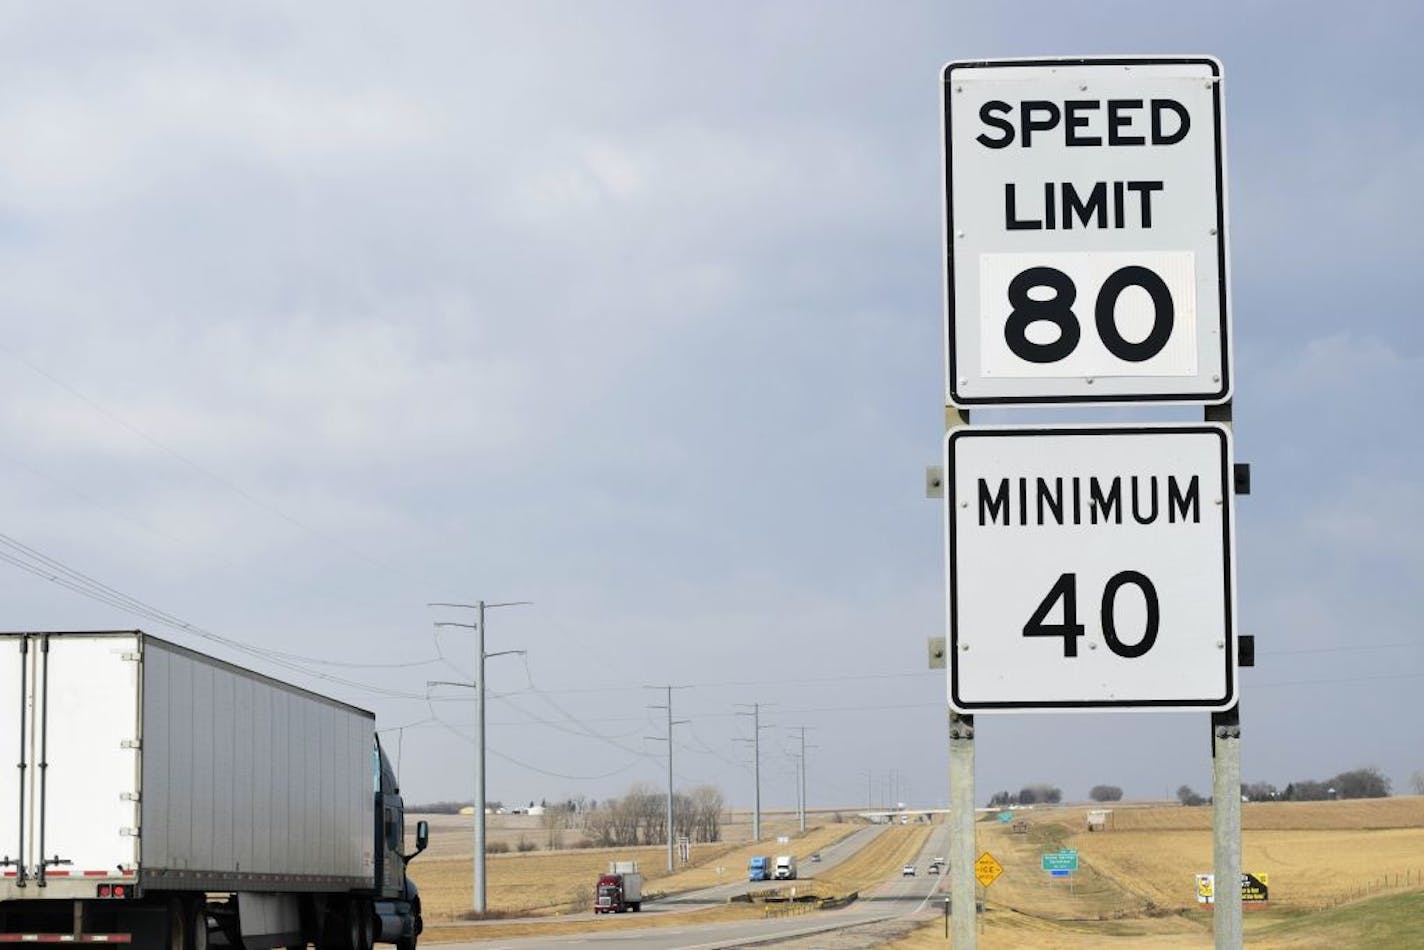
{"x": 759, "y": 868}
{"x": 621, "y": 889}
{"x": 165, "y": 796}
{"x": 785, "y": 867}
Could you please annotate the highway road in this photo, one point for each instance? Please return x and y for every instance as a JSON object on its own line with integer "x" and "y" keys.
{"x": 720, "y": 894}
{"x": 894, "y": 902}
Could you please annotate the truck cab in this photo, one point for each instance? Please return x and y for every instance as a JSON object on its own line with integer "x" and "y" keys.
{"x": 621, "y": 889}
{"x": 759, "y": 868}
{"x": 397, "y": 899}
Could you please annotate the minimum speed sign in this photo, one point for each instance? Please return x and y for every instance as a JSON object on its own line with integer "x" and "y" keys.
{"x": 1085, "y": 232}
{"x": 1090, "y": 567}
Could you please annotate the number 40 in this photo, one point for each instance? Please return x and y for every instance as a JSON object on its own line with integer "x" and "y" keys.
{"x": 1066, "y": 589}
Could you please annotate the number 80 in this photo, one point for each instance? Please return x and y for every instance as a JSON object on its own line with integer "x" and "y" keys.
{"x": 1058, "y": 311}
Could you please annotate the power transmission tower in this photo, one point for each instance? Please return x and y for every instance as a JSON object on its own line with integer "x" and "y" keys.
{"x": 670, "y": 723}
{"x": 755, "y": 740}
{"x": 801, "y": 789}
{"x": 479, "y": 686}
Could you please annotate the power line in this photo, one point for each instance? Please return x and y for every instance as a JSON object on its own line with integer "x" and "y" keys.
{"x": 219, "y": 479}
{"x": 1352, "y": 648}
{"x": 43, "y": 566}
{"x": 451, "y": 728}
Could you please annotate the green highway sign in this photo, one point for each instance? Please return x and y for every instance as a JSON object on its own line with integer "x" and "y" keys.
{"x": 1064, "y": 860}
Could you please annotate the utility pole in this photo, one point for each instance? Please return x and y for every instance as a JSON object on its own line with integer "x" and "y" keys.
{"x": 670, "y": 724}
{"x": 801, "y": 792}
{"x": 755, "y": 740}
{"x": 479, "y": 687}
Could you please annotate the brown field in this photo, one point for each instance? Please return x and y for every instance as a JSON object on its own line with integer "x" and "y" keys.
{"x": 1336, "y": 870}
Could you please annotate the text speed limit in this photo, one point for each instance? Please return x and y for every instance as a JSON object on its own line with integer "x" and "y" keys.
{"x": 1092, "y": 316}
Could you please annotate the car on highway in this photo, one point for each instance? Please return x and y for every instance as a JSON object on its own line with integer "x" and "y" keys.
{"x": 907, "y": 871}
{"x": 816, "y": 858}
{"x": 936, "y": 867}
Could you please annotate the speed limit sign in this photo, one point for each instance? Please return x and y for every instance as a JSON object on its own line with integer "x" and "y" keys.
{"x": 1085, "y": 232}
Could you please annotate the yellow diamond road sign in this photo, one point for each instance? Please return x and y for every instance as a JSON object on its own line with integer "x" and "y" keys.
{"x": 987, "y": 870}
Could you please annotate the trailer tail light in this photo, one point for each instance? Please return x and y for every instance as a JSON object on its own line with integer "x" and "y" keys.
{"x": 119, "y": 891}
{"x": 104, "y": 890}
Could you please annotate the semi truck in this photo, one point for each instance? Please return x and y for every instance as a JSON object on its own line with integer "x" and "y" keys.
{"x": 169, "y": 799}
{"x": 621, "y": 889}
{"x": 785, "y": 867}
{"x": 759, "y": 868}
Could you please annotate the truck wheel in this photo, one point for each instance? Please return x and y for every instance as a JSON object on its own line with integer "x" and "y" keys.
{"x": 637, "y": 906}
{"x": 187, "y": 923}
{"x": 360, "y": 926}
{"x": 347, "y": 925}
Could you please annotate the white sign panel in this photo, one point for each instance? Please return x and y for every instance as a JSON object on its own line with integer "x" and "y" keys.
{"x": 1086, "y": 232}
{"x": 1090, "y": 567}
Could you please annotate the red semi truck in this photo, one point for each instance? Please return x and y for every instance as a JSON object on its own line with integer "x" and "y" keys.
{"x": 619, "y": 890}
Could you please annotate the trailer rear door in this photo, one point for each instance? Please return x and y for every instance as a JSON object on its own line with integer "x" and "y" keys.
{"x": 91, "y": 736}
{"x": 79, "y": 739}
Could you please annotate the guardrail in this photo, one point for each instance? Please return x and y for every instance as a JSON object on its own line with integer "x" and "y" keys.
{"x": 835, "y": 903}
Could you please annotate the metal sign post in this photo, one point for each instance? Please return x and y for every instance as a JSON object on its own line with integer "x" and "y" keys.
{"x": 1226, "y": 795}
{"x": 961, "y": 815}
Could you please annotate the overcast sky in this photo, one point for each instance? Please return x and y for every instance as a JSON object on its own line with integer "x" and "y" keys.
{"x": 318, "y": 313}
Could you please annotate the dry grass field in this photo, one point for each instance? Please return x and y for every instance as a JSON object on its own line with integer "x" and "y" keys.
{"x": 1342, "y": 874}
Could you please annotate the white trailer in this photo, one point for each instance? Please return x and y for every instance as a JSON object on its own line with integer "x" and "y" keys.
{"x": 150, "y": 775}
{"x": 785, "y": 867}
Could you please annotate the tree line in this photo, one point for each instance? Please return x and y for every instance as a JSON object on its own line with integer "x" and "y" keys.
{"x": 640, "y": 817}
{"x": 1367, "y": 782}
